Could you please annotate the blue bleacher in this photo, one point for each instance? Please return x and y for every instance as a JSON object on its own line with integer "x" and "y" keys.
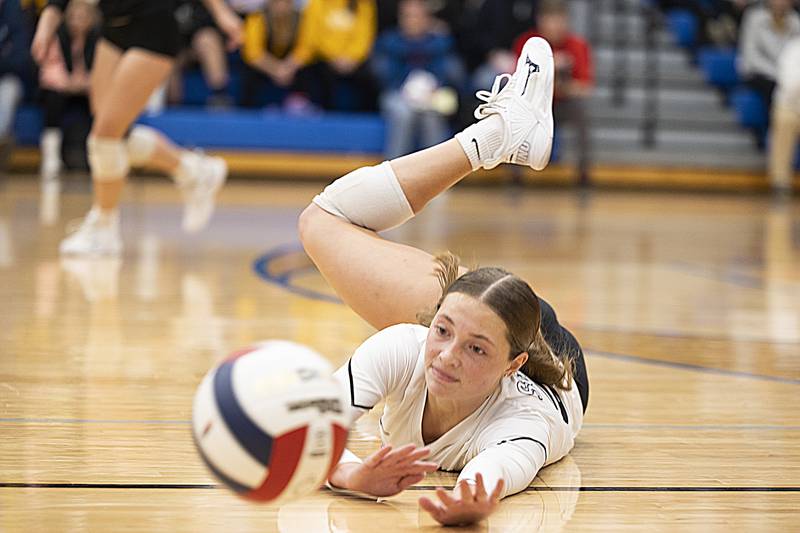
{"x": 719, "y": 67}
{"x": 247, "y": 130}
{"x": 684, "y": 27}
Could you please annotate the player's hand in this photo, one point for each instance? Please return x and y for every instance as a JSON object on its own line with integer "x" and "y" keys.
{"x": 465, "y": 505}
{"x": 388, "y": 472}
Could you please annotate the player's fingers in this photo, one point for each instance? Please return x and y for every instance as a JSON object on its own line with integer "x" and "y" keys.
{"x": 498, "y": 490}
{"x": 480, "y": 489}
{"x": 376, "y": 458}
{"x": 446, "y": 499}
{"x": 421, "y": 468}
{"x": 426, "y": 466}
{"x": 465, "y": 488}
{"x": 411, "y": 479}
{"x": 400, "y": 454}
{"x": 433, "y": 508}
{"x": 418, "y": 453}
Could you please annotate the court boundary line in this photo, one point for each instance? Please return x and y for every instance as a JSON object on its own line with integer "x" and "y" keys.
{"x": 207, "y": 486}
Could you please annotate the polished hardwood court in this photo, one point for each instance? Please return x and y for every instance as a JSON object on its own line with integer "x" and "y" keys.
{"x": 687, "y": 306}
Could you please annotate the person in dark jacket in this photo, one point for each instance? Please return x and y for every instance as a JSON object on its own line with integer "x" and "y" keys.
{"x": 14, "y": 62}
{"x": 416, "y": 68}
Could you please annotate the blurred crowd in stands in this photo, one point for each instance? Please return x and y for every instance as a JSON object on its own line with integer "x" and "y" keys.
{"x": 417, "y": 62}
{"x": 765, "y": 38}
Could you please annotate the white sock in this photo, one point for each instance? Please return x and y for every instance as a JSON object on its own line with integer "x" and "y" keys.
{"x": 481, "y": 140}
{"x": 50, "y": 145}
{"x": 370, "y": 197}
{"x": 187, "y": 168}
{"x": 104, "y": 216}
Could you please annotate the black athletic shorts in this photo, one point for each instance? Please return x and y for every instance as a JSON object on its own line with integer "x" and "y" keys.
{"x": 562, "y": 341}
{"x": 155, "y": 32}
{"x": 192, "y": 17}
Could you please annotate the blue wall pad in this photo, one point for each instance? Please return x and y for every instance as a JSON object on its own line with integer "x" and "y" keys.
{"x": 272, "y": 130}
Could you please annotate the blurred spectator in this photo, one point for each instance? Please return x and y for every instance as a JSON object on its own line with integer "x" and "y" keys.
{"x": 270, "y": 36}
{"x": 245, "y": 7}
{"x": 785, "y": 119}
{"x": 64, "y": 83}
{"x": 415, "y": 66}
{"x": 574, "y": 75}
{"x": 487, "y": 31}
{"x": 335, "y": 40}
{"x": 446, "y": 14}
{"x": 203, "y": 42}
{"x": 14, "y": 64}
{"x": 765, "y": 31}
{"x": 726, "y": 18}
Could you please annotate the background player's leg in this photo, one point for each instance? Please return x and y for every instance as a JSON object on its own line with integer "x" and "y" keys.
{"x": 120, "y": 100}
{"x": 384, "y": 282}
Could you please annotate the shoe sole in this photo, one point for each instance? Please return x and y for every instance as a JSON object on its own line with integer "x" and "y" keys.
{"x": 537, "y": 52}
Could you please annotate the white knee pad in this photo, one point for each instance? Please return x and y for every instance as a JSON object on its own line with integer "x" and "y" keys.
{"x": 108, "y": 158}
{"x": 141, "y": 144}
{"x": 370, "y": 197}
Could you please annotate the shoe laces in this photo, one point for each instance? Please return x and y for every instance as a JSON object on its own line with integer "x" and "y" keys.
{"x": 491, "y": 106}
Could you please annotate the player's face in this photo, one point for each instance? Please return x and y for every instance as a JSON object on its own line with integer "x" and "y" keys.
{"x": 467, "y": 352}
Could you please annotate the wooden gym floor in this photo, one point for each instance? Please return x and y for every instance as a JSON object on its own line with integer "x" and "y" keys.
{"x": 688, "y": 306}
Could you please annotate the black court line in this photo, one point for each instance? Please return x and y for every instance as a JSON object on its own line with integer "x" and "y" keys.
{"x": 588, "y": 425}
{"x": 150, "y": 486}
{"x": 189, "y": 486}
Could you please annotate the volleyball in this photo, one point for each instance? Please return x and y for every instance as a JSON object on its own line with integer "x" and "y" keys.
{"x": 269, "y": 421}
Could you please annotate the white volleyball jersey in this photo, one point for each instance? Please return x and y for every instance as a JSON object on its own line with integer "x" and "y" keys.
{"x": 520, "y": 428}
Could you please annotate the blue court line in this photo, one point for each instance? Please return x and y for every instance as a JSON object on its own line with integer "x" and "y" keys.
{"x": 671, "y": 334}
{"x": 739, "y": 279}
{"x": 691, "y": 367}
{"x": 729, "y": 276}
{"x": 261, "y": 268}
{"x": 654, "y": 427}
{"x": 92, "y": 421}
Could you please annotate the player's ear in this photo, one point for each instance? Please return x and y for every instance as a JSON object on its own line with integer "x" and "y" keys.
{"x": 516, "y": 363}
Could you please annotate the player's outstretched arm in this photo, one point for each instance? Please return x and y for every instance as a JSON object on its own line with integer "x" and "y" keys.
{"x": 466, "y": 504}
{"x": 384, "y": 473}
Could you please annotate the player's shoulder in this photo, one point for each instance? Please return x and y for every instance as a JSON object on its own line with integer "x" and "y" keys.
{"x": 521, "y": 387}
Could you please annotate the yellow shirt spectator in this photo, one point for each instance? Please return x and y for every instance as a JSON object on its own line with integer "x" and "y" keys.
{"x": 336, "y": 29}
{"x": 272, "y": 31}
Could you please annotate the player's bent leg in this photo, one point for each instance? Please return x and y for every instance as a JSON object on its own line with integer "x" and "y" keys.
{"x": 384, "y": 282}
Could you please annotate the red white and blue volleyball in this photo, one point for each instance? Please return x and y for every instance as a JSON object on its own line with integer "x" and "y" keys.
{"x": 270, "y": 422}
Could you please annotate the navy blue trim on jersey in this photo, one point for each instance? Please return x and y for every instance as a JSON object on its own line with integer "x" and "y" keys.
{"x": 544, "y": 448}
{"x": 352, "y": 389}
{"x": 251, "y": 437}
{"x": 561, "y": 407}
